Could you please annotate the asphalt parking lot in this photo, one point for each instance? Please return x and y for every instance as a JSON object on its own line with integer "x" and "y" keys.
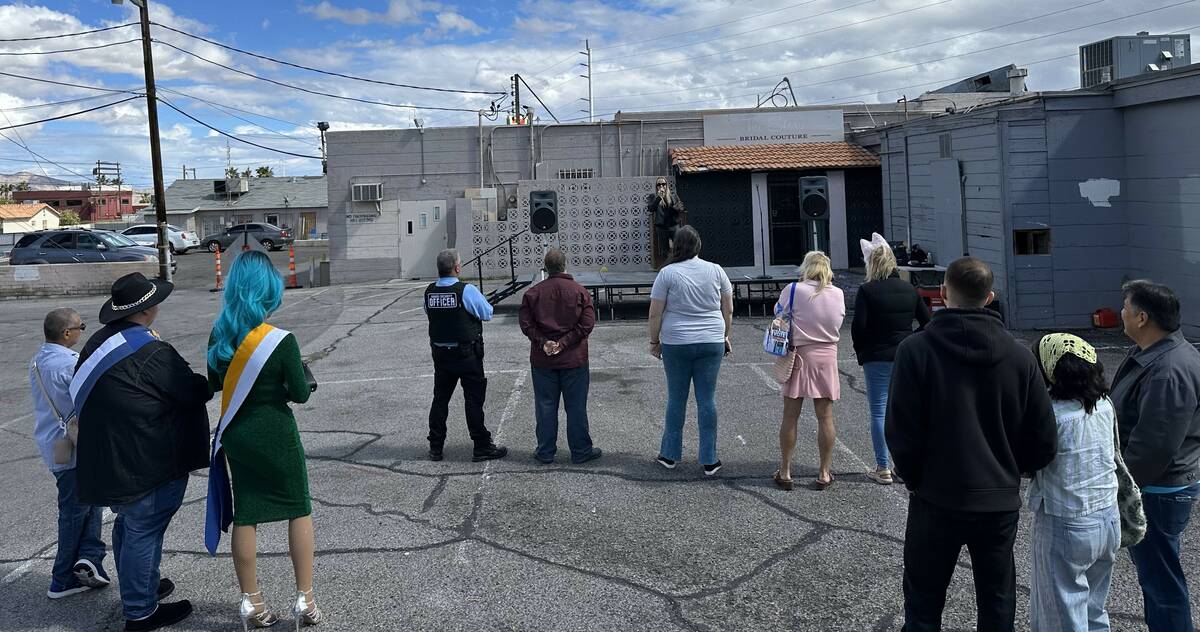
{"x": 616, "y": 544}
{"x": 197, "y": 268}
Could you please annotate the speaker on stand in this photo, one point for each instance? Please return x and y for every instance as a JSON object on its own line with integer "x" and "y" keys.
{"x": 543, "y": 218}
{"x": 814, "y": 204}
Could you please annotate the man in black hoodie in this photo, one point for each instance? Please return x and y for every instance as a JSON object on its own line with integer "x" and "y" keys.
{"x": 968, "y": 414}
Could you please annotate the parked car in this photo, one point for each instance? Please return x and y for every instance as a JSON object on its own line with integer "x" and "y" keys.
{"x": 180, "y": 241}
{"x": 79, "y": 245}
{"x": 270, "y": 236}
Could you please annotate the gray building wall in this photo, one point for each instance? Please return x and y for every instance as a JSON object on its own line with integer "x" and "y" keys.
{"x": 442, "y": 163}
{"x": 1034, "y": 163}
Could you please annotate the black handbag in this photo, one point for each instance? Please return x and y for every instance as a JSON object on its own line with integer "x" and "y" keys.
{"x": 310, "y": 378}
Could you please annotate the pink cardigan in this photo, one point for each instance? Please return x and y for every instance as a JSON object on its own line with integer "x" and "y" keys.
{"x": 816, "y": 318}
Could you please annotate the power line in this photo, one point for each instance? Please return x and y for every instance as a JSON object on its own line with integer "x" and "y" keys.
{"x": 46, "y": 37}
{"x": 67, "y": 50}
{"x": 705, "y": 28}
{"x": 56, "y": 118}
{"x": 229, "y": 107}
{"x": 539, "y": 99}
{"x": 273, "y": 132}
{"x": 741, "y": 33}
{"x": 234, "y": 137}
{"x": 52, "y": 104}
{"x": 930, "y": 61}
{"x": 795, "y": 71}
{"x": 324, "y": 72}
{"x": 34, "y": 153}
{"x": 316, "y": 92}
{"x": 785, "y": 39}
{"x": 64, "y": 83}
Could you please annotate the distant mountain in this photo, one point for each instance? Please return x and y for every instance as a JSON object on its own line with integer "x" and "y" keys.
{"x": 34, "y": 180}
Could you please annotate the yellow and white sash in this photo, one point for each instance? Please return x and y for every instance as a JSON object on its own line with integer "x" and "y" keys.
{"x": 243, "y": 371}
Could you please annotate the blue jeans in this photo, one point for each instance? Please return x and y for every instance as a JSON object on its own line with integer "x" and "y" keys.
{"x": 137, "y": 545}
{"x": 572, "y": 386}
{"x": 1164, "y": 586}
{"x": 878, "y": 377}
{"x": 687, "y": 364}
{"x": 78, "y": 531}
{"x": 1072, "y": 570}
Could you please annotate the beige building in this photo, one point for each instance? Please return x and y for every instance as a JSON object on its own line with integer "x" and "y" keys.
{"x": 26, "y": 218}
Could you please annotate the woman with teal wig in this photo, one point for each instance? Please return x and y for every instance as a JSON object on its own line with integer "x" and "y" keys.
{"x": 261, "y": 442}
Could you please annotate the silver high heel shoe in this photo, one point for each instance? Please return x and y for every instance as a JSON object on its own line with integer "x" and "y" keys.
{"x": 251, "y": 617}
{"x": 303, "y": 615}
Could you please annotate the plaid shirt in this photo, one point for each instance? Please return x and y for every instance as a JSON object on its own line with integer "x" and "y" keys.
{"x": 1082, "y": 477}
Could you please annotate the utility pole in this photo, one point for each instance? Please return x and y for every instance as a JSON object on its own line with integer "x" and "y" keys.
{"x": 323, "y": 126}
{"x": 102, "y": 171}
{"x": 160, "y": 196}
{"x": 587, "y": 52}
{"x": 516, "y": 95}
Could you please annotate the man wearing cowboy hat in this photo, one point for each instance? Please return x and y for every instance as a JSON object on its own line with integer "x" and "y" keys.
{"x": 143, "y": 427}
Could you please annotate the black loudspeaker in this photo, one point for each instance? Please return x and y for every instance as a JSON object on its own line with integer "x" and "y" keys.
{"x": 814, "y": 197}
{"x": 543, "y": 212}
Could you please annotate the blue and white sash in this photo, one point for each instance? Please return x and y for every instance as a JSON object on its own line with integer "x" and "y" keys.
{"x": 244, "y": 369}
{"x": 118, "y": 347}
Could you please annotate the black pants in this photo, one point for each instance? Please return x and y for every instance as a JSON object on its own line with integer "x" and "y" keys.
{"x": 665, "y": 235}
{"x": 450, "y": 366}
{"x": 932, "y": 541}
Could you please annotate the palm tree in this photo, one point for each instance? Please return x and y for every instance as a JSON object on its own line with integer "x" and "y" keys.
{"x": 264, "y": 172}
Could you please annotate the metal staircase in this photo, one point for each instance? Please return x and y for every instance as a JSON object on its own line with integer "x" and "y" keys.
{"x": 515, "y": 283}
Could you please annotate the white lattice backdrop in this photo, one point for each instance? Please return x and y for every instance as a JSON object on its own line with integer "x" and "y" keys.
{"x": 602, "y": 223}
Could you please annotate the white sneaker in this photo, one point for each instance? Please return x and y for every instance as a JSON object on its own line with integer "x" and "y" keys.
{"x": 880, "y": 475}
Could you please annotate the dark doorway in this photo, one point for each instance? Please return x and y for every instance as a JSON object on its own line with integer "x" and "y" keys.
{"x": 719, "y": 206}
{"x": 786, "y": 219}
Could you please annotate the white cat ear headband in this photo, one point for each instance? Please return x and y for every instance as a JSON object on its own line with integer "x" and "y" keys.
{"x": 877, "y": 241}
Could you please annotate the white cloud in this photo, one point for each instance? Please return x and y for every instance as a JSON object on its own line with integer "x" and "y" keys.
{"x": 662, "y": 54}
{"x": 537, "y": 25}
{"x": 449, "y": 24}
{"x": 266, "y": 24}
{"x": 398, "y": 12}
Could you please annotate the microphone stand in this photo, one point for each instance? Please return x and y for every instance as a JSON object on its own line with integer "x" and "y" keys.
{"x": 762, "y": 236}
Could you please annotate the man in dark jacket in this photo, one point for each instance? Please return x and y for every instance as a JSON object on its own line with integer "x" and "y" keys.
{"x": 1156, "y": 393}
{"x": 968, "y": 413}
{"x": 142, "y": 427}
{"x": 557, "y": 316}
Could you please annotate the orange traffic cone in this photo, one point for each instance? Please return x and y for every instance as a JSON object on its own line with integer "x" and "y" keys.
{"x": 220, "y": 285}
{"x": 292, "y": 283}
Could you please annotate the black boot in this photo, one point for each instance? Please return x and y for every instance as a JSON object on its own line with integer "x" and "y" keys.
{"x": 489, "y": 452}
{"x": 435, "y": 453}
{"x": 166, "y": 614}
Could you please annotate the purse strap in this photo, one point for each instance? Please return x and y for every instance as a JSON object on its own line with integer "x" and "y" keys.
{"x": 45, "y": 393}
{"x": 791, "y": 300}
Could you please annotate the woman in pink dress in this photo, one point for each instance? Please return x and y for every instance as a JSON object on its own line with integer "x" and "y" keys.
{"x": 817, "y": 313}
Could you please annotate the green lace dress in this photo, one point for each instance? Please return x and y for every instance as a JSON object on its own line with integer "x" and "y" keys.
{"x": 262, "y": 443}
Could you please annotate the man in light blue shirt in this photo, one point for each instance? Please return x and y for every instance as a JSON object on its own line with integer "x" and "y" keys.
{"x": 456, "y": 312}
{"x": 78, "y": 565}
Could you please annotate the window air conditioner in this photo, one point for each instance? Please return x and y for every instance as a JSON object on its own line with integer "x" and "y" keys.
{"x": 367, "y": 192}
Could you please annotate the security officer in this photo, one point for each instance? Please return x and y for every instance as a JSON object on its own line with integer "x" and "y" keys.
{"x": 456, "y": 312}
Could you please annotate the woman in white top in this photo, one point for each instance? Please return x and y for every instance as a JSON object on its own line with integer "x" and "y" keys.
{"x": 1076, "y": 525}
{"x": 691, "y": 311}
{"x": 817, "y": 310}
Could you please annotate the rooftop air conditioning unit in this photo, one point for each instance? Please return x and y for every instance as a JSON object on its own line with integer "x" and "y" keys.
{"x": 367, "y": 192}
{"x": 231, "y": 186}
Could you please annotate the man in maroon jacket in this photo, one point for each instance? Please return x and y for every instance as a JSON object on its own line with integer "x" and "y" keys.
{"x": 557, "y": 316}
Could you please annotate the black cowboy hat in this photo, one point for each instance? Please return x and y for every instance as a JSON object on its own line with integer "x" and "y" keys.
{"x": 134, "y": 293}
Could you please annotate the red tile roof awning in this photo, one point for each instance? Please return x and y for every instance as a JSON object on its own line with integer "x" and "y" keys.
{"x": 839, "y": 155}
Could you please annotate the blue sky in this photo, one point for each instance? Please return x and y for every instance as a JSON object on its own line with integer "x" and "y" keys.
{"x": 648, "y": 55}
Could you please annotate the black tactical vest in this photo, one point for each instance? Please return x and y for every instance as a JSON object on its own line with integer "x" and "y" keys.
{"x": 449, "y": 320}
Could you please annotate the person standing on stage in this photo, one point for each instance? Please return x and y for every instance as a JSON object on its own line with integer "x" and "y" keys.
{"x": 456, "y": 312}
{"x": 667, "y": 214}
